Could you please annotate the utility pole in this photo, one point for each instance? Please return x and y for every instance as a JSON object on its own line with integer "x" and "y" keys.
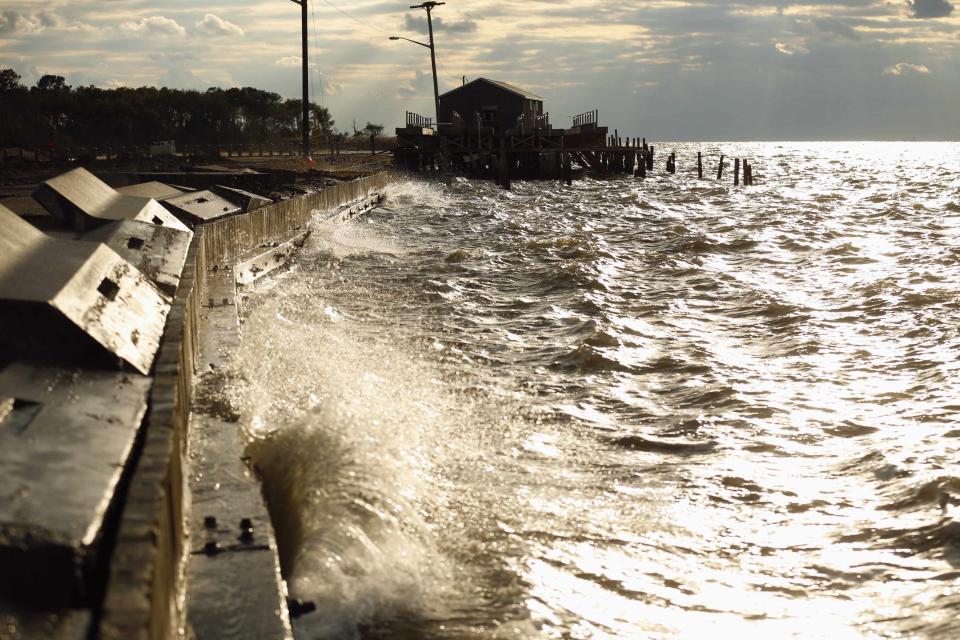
{"x": 429, "y": 6}
{"x": 306, "y": 79}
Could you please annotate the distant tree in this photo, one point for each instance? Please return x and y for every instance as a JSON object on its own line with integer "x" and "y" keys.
{"x": 9, "y": 81}
{"x": 337, "y": 138}
{"x": 52, "y": 111}
{"x": 373, "y": 130}
{"x": 53, "y": 100}
{"x": 52, "y": 83}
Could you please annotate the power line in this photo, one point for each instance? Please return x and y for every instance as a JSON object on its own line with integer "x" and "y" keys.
{"x": 357, "y": 20}
{"x": 314, "y": 54}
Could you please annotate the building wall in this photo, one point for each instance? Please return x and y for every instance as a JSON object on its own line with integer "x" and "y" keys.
{"x": 468, "y": 100}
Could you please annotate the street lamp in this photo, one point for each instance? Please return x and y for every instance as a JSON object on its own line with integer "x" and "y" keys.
{"x": 429, "y": 6}
{"x": 306, "y": 83}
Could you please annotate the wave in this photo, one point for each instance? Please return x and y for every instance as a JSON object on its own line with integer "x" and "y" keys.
{"x": 641, "y": 443}
{"x": 344, "y": 432}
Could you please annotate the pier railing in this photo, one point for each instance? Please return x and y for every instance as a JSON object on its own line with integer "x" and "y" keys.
{"x": 417, "y": 120}
{"x": 590, "y": 117}
{"x": 529, "y": 122}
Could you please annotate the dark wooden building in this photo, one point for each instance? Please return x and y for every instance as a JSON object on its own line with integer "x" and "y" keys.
{"x": 491, "y": 104}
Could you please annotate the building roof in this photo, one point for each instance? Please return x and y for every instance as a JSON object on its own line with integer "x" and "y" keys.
{"x": 503, "y": 85}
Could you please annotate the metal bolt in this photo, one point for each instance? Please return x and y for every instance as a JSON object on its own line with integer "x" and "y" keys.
{"x": 246, "y": 530}
{"x": 209, "y": 522}
{"x": 212, "y": 548}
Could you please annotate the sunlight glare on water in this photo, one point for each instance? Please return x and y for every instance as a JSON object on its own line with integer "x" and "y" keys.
{"x": 624, "y": 409}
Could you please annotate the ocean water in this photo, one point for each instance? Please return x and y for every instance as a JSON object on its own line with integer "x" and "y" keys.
{"x": 623, "y": 409}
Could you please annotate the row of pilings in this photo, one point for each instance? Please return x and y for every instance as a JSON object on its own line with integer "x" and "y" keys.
{"x": 506, "y": 158}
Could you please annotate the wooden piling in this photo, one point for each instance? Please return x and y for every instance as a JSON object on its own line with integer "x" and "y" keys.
{"x": 700, "y": 164}
{"x": 736, "y": 172}
{"x": 504, "y": 166}
{"x": 720, "y": 168}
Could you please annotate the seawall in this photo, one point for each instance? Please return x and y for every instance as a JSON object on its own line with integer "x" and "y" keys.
{"x": 154, "y": 550}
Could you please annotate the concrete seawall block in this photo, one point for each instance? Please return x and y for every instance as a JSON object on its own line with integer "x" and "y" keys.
{"x": 158, "y": 252}
{"x": 75, "y": 302}
{"x": 65, "y": 439}
{"x": 152, "y": 189}
{"x": 82, "y": 201}
{"x": 246, "y": 200}
{"x": 199, "y": 207}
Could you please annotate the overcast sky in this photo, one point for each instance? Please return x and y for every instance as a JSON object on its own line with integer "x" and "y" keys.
{"x": 666, "y": 69}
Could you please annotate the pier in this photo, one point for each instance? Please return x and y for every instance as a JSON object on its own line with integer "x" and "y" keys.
{"x": 133, "y": 513}
{"x": 508, "y": 136}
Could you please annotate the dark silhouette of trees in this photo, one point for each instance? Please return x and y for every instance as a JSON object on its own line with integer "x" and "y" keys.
{"x": 371, "y": 131}
{"x": 54, "y": 114}
{"x": 9, "y": 81}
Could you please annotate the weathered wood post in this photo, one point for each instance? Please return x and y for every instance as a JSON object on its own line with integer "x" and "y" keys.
{"x": 720, "y": 168}
{"x": 567, "y": 169}
{"x": 504, "y": 169}
{"x": 736, "y": 172}
{"x": 700, "y": 164}
{"x": 650, "y": 158}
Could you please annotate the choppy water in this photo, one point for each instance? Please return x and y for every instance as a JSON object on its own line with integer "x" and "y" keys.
{"x": 624, "y": 409}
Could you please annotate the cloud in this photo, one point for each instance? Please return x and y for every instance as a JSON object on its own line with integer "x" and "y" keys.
{"x": 837, "y": 28}
{"x": 930, "y": 8}
{"x": 791, "y": 49}
{"x": 906, "y": 69}
{"x": 154, "y": 25}
{"x": 216, "y": 26}
{"x": 19, "y": 22}
{"x": 330, "y": 87}
{"x": 419, "y": 24}
{"x": 289, "y": 61}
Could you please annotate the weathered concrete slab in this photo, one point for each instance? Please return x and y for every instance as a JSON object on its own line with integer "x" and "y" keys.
{"x": 65, "y": 438}
{"x": 64, "y": 624}
{"x": 82, "y": 201}
{"x": 265, "y": 260}
{"x": 158, "y": 252}
{"x": 221, "y": 168}
{"x": 234, "y": 587}
{"x": 200, "y": 206}
{"x": 246, "y": 200}
{"x": 75, "y": 302}
{"x": 256, "y": 181}
{"x": 152, "y": 189}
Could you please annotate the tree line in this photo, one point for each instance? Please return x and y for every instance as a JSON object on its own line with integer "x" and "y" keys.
{"x": 52, "y": 114}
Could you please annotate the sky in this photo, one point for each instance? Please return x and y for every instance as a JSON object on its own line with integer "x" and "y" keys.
{"x": 663, "y": 69}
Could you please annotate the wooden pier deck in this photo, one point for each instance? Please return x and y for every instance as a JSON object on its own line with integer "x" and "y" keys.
{"x": 539, "y": 154}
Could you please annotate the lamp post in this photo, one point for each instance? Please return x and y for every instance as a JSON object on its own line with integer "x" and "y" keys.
{"x": 306, "y": 81}
{"x": 429, "y": 6}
